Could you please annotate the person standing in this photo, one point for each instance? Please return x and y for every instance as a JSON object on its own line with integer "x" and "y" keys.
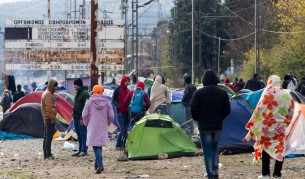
{"x": 118, "y": 97}
{"x": 254, "y": 83}
{"x": 268, "y": 124}
{"x": 48, "y": 111}
{"x": 18, "y": 94}
{"x": 34, "y": 86}
{"x": 210, "y": 105}
{"x": 188, "y": 93}
{"x": 138, "y": 103}
{"x": 27, "y": 90}
{"x": 160, "y": 97}
{"x": 98, "y": 115}
{"x": 6, "y": 100}
{"x": 81, "y": 130}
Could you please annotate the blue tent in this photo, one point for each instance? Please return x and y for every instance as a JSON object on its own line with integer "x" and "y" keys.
{"x": 233, "y": 131}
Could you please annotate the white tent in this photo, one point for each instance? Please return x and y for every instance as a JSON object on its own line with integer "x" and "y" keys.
{"x": 295, "y": 141}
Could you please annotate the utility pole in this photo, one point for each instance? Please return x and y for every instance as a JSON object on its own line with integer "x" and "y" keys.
{"x": 218, "y": 61}
{"x": 124, "y": 6}
{"x": 94, "y": 63}
{"x": 193, "y": 40}
{"x": 84, "y": 10}
{"x": 49, "y": 17}
{"x": 256, "y": 47}
{"x": 49, "y": 9}
{"x": 133, "y": 38}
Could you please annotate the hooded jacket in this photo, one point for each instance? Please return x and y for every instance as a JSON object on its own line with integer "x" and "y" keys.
{"x": 48, "y": 108}
{"x": 189, "y": 91}
{"x": 119, "y": 95}
{"x": 97, "y": 116}
{"x": 79, "y": 102}
{"x": 210, "y": 105}
{"x": 159, "y": 94}
{"x": 130, "y": 96}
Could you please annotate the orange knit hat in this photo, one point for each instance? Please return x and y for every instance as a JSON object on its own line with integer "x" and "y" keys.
{"x": 98, "y": 89}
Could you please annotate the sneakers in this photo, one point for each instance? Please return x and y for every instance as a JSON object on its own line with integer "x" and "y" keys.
{"x": 82, "y": 154}
{"x": 99, "y": 170}
{"x": 263, "y": 177}
{"x": 51, "y": 157}
{"x": 276, "y": 177}
{"x": 76, "y": 154}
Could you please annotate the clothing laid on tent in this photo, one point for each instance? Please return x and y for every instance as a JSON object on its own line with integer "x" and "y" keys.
{"x": 26, "y": 119}
{"x": 157, "y": 134}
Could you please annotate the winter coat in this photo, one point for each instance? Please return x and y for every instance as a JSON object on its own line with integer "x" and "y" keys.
{"x": 188, "y": 94}
{"x": 253, "y": 84}
{"x": 17, "y": 95}
{"x": 210, "y": 105}
{"x": 5, "y": 102}
{"x": 159, "y": 95}
{"x": 97, "y": 116}
{"x": 119, "y": 95}
{"x": 48, "y": 108}
{"x": 79, "y": 102}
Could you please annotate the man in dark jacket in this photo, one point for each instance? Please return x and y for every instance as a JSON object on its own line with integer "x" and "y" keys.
{"x": 79, "y": 103}
{"x": 210, "y": 105}
{"x": 188, "y": 93}
{"x": 18, "y": 94}
{"x": 254, "y": 83}
{"x": 118, "y": 100}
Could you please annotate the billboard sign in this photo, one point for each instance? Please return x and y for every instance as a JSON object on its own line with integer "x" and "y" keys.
{"x": 60, "y": 66}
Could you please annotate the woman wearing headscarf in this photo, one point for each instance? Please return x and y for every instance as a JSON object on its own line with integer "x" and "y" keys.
{"x": 160, "y": 97}
{"x": 268, "y": 124}
{"x": 97, "y": 115}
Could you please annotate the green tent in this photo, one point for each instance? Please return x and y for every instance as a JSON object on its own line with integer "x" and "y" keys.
{"x": 157, "y": 134}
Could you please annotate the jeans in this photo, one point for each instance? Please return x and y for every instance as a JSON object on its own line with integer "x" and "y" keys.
{"x": 266, "y": 165}
{"x": 81, "y": 131}
{"x": 98, "y": 153}
{"x": 209, "y": 142}
{"x": 188, "y": 116}
{"x": 162, "y": 108}
{"x": 124, "y": 121}
{"x": 49, "y": 130}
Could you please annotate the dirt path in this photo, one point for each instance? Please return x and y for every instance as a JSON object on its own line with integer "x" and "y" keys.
{"x": 29, "y": 164}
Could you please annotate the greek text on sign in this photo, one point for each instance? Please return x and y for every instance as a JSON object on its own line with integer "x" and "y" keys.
{"x": 62, "y": 22}
{"x": 66, "y": 56}
{"x": 59, "y": 66}
{"x": 81, "y": 33}
{"x": 111, "y": 44}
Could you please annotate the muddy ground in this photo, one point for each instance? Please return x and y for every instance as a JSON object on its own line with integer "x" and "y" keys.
{"x": 23, "y": 159}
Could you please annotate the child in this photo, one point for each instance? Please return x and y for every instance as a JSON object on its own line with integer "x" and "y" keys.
{"x": 97, "y": 116}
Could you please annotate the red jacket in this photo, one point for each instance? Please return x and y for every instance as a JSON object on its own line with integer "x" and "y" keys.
{"x": 146, "y": 98}
{"x": 119, "y": 95}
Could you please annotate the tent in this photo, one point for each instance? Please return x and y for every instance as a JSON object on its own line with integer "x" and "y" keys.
{"x": 233, "y": 131}
{"x": 295, "y": 141}
{"x": 26, "y": 119}
{"x": 157, "y": 134}
{"x": 67, "y": 96}
{"x": 63, "y": 107}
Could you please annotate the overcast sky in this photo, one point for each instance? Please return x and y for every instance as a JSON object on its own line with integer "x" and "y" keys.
{"x": 10, "y": 1}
